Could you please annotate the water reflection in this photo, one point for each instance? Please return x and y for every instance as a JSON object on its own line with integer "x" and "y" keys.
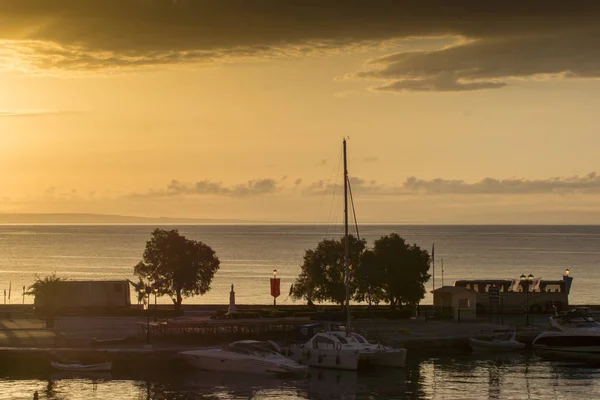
{"x": 493, "y": 377}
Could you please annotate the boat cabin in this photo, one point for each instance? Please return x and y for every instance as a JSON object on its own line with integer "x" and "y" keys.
{"x": 252, "y": 347}
{"x": 335, "y": 340}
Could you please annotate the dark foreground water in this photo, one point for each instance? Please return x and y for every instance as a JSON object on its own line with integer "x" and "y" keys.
{"x": 461, "y": 377}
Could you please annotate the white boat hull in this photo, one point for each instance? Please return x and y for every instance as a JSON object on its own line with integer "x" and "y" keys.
{"x": 213, "y": 361}
{"x": 324, "y": 358}
{"x": 100, "y": 367}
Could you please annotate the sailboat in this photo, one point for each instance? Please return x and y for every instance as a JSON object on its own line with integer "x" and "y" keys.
{"x": 345, "y": 349}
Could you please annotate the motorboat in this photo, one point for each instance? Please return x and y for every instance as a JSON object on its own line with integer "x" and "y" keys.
{"x": 80, "y": 367}
{"x": 575, "y": 334}
{"x": 345, "y": 350}
{"x": 505, "y": 341}
{"x": 244, "y": 356}
{"x": 580, "y": 317}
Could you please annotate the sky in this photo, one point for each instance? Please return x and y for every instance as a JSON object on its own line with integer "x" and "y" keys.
{"x": 456, "y": 111}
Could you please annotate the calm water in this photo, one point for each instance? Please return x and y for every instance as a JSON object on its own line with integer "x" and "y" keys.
{"x": 464, "y": 377}
{"x": 249, "y": 254}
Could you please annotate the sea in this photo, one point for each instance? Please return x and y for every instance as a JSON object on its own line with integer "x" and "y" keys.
{"x": 250, "y": 253}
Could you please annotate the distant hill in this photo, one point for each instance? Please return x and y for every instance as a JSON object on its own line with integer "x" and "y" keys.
{"x": 105, "y": 219}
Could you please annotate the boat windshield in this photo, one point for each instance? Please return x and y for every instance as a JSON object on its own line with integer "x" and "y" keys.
{"x": 505, "y": 336}
{"x": 359, "y": 338}
{"x": 353, "y": 338}
{"x": 251, "y": 348}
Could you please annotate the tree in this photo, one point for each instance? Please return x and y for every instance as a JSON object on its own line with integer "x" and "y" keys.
{"x": 369, "y": 278}
{"x": 176, "y": 266}
{"x": 397, "y": 270}
{"x": 322, "y": 276}
{"x": 48, "y": 293}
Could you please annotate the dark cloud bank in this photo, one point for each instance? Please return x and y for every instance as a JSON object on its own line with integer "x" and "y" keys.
{"x": 495, "y": 40}
{"x": 206, "y": 187}
{"x": 588, "y": 184}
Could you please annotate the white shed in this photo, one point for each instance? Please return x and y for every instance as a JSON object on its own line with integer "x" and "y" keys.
{"x": 455, "y": 301}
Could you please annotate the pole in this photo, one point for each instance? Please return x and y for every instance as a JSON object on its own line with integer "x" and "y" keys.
{"x": 442, "y": 272}
{"x": 346, "y": 244}
{"x": 526, "y": 303}
{"x": 433, "y": 263}
{"x": 155, "y": 308}
{"x": 148, "y": 322}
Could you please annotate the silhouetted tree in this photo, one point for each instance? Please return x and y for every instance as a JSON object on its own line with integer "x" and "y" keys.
{"x": 369, "y": 278}
{"x": 322, "y": 276}
{"x": 397, "y": 271}
{"x": 48, "y": 293}
{"x": 178, "y": 267}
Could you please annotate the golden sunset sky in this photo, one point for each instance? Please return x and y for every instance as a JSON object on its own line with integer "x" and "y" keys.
{"x": 457, "y": 112}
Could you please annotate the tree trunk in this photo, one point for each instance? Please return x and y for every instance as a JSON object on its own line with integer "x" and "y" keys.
{"x": 178, "y": 301}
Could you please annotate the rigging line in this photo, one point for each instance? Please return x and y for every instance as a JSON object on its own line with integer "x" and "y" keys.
{"x": 325, "y": 192}
{"x": 333, "y": 221}
{"x": 366, "y": 276}
{"x": 353, "y": 209}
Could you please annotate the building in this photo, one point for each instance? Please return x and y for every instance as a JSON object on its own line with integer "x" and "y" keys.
{"x": 90, "y": 294}
{"x": 456, "y": 302}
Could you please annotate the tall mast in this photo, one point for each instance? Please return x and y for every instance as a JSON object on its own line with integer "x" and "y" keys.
{"x": 346, "y": 244}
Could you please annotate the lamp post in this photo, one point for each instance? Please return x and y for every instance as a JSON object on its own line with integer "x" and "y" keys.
{"x": 148, "y": 290}
{"x": 526, "y": 281}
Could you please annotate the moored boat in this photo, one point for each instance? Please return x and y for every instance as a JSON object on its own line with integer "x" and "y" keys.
{"x": 575, "y": 334}
{"x": 339, "y": 350}
{"x": 504, "y": 342}
{"x": 244, "y": 356}
{"x": 80, "y": 367}
{"x": 345, "y": 349}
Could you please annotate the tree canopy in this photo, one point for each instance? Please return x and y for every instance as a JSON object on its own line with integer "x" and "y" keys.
{"x": 322, "y": 277}
{"x": 46, "y": 290}
{"x": 397, "y": 271}
{"x": 393, "y": 272}
{"x": 176, "y": 266}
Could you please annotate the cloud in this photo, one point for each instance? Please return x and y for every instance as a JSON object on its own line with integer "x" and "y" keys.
{"x": 500, "y": 40}
{"x": 588, "y": 184}
{"x": 31, "y": 113}
{"x": 206, "y": 187}
{"x": 489, "y": 63}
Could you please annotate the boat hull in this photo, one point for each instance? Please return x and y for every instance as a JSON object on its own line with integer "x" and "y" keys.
{"x": 100, "y": 367}
{"x": 495, "y": 346}
{"x": 572, "y": 343}
{"x": 223, "y": 363}
{"x": 324, "y": 358}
